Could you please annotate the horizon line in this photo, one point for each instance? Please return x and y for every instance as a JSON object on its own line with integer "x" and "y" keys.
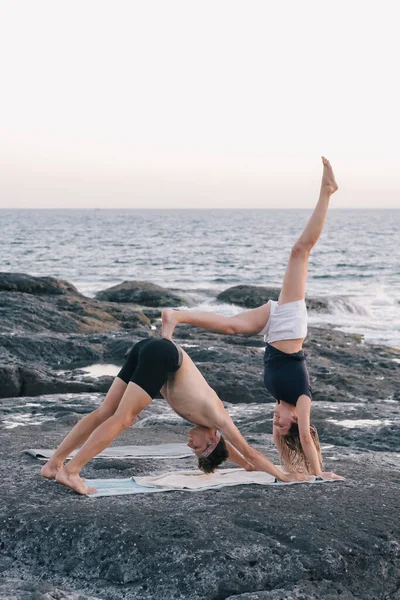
{"x": 98, "y": 209}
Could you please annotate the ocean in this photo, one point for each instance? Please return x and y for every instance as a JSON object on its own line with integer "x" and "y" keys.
{"x": 202, "y": 252}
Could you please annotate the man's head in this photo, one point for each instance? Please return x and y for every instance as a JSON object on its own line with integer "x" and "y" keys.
{"x": 209, "y": 447}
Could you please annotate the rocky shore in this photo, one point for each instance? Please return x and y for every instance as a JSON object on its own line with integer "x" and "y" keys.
{"x": 50, "y": 331}
{"x": 332, "y": 542}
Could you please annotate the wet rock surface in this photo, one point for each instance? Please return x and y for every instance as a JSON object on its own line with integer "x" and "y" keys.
{"x": 335, "y": 540}
{"x": 304, "y": 590}
{"x": 19, "y": 589}
{"x": 331, "y": 541}
{"x": 47, "y": 326}
{"x": 46, "y": 335}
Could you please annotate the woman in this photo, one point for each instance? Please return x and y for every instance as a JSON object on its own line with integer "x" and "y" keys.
{"x": 284, "y": 326}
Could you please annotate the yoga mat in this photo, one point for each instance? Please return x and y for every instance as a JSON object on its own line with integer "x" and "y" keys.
{"x": 188, "y": 481}
{"x": 152, "y": 451}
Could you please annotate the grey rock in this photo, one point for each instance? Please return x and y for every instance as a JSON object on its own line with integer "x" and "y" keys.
{"x": 303, "y": 590}
{"x": 44, "y": 334}
{"x": 252, "y": 296}
{"x": 140, "y": 292}
{"x": 19, "y": 589}
{"x": 28, "y": 284}
{"x": 328, "y": 541}
{"x": 48, "y": 325}
{"x": 10, "y": 381}
{"x": 249, "y": 296}
{"x": 65, "y": 314}
{"x": 152, "y": 313}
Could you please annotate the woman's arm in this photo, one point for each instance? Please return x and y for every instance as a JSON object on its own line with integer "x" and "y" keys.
{"x": 247, "y": 322}
{"x": 307, "y": 443}
{"x": 260, "y": 462}
{"x": 303, "y": 421}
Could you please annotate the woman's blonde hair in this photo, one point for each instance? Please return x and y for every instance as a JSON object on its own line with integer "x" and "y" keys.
{"x": 292, "y": 454}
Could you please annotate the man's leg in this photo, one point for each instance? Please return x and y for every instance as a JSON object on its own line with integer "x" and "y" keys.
{"x": 89, "y": 423}
{"x": 134, "y": 400}
{"x": 82, "y": 430}
{"x": 294, "y": 282}
{"x": 156, "y": 359}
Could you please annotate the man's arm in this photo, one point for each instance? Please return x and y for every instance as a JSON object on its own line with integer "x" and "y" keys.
{"x": 237, "y": 458}
{"x": 260, "y": 463}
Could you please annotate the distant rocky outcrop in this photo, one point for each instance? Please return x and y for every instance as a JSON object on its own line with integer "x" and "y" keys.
{"x": 249, "y": 296}
{"x": 141, "y": 292}
{"x": 252, "y": 296}
{"x": 28, "y": 284}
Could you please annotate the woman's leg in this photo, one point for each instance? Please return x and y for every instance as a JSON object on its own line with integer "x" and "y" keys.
{"x": 247, "y": 322}
{"x": 83, "y": 429}
{"x": 295, "y": 279}
{"x": 294, "y": 284}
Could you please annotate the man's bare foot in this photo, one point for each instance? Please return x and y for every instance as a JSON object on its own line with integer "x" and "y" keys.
{"x": 74, "y": 482}
{"x": 50, "y": 469}
{"x": 169, "y": 322}
{"x": 328, "y": 182}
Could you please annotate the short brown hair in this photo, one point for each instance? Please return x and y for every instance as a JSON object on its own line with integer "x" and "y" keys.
{"x": 218, "y": 456}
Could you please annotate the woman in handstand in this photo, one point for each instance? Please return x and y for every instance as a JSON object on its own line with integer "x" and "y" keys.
{"x": 284, "y": 326}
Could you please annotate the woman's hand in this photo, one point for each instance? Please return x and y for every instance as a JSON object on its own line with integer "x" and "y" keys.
{"x": 329, "y": 475}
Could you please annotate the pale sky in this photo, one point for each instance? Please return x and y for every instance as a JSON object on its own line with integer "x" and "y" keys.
{"x": 207, "y": 103}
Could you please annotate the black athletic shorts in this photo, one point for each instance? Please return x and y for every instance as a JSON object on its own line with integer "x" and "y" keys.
{"x": 150, "y": 362}
{"x": 286, "y": 375}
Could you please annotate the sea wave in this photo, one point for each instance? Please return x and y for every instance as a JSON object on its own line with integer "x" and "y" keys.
{"x": 342, "y": 305}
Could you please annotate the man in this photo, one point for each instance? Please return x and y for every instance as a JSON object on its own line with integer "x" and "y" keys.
{"x": 155, "y": 365}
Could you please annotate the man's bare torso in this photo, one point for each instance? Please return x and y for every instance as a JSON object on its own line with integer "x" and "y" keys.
{"x": 190, "y": 396}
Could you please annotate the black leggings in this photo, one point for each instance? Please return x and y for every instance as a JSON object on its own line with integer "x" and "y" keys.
{"x": 149, "y": 363}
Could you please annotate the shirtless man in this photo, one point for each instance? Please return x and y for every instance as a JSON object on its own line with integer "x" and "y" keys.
{"x": 155, "y": 365}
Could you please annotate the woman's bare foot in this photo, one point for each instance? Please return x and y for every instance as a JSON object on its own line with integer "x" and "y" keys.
{"x": 74, "y": 482}
{"x": 328, "y": 182}
{"x": 169, "y": 322}
{"x": 51, "y": 468}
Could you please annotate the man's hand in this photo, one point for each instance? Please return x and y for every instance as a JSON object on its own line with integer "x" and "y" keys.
{"x": 249, "y": 467}
{"x": 329, "y": 475}
{"x": 286, "y": 477}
